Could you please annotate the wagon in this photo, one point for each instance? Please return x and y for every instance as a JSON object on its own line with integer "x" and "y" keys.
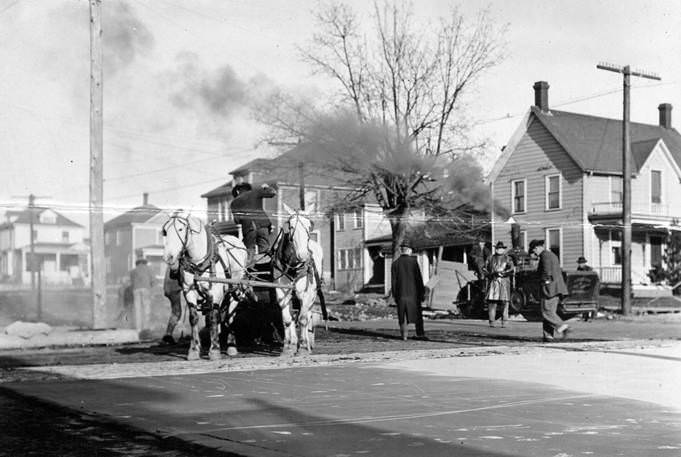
{"x": 583, "y": 293}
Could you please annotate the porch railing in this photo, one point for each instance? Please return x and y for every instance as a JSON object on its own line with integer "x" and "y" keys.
{"x": 610, "y": 275}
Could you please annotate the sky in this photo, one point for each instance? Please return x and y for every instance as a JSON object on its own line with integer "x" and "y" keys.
{"x": 177, "y": 75}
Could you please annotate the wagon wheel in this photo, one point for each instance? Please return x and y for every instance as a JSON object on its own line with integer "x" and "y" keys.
{"x": 518, "y": 301}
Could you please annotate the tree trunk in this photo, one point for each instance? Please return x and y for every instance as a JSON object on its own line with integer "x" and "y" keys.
{"x": 398, "y": 224}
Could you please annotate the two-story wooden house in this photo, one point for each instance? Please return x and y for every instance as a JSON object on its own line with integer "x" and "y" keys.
{"x": 58, "y": 243}
{"x": 132, "y": 235}
{"x": 348, "y": 264}
{"x": 561, "y": 177}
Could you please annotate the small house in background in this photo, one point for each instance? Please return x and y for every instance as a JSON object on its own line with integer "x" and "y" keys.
{"x": 348, "y": 264}
{"x": 561, "y": 177}
{"x": 132, "y": 235}
{"x": 61, "y": 252}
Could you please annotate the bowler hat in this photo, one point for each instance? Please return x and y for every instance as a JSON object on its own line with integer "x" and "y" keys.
{"x": 582, "y": 259}
{"x": 500, "y": 245}
{"x": 535, "y": 243}
{"x": 139, "y": 261}
{"x": 405, "y": 244}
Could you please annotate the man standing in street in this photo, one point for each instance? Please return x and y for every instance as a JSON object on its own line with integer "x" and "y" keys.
{"x": 141, "y": 282}
{"x": 247, "y": 209}
{"x": 172, "y": 289}
{"x": 552, "y": 287}
{"x": 408, "y": 291}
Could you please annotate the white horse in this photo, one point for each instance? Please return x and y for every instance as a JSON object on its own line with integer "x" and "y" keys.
{"x": 189, "y": 247}
{"x": 297, "y": 262}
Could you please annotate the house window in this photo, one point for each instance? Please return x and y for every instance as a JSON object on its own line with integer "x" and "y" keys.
{"x": 655, "y": 186}
{"x": 311, "y": 201}
{"x": 35, "y": 235}
{"x": 523, "y": 240}
{"x": 340, "y": 222}
{"x": 350, "y": 259}
{"x": 553, "y": 240}
{"x": 65, "y": 237}
{"x": 357, "y": 219}
{"x": 553, "y": 192}
{"x": 616, "y": 255}
{"x": 656, "y": 250}
{"x": 107, "y": 237}
{"x": 615, "y": 189}
{"x": 518, "y": 195}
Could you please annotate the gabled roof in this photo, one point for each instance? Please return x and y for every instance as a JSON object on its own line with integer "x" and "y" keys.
{"x": 24, "y": 217}
{"x": 136, "y": 215}
{"x": 595, "y": 143}
{"x": 283, "y": 169}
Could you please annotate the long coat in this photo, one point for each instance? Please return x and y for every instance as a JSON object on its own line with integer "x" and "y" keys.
{"x": 247, "y": 208}
{"x": 407, "y": 286}
{"x": 551, "y": 275}
{"x": 499, "y": 269}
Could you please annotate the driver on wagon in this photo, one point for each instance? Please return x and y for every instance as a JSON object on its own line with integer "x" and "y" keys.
{"x": 248, "y": 210}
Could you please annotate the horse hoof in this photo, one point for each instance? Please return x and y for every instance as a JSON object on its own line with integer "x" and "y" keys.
{"x": 193, "y": 355}
{"x": 288, "y": 350}
{"x": 214, "y": 354}
{"x": 231, "y": 351}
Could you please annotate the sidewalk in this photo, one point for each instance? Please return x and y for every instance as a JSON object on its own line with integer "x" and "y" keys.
{"x": 68, "y": 336}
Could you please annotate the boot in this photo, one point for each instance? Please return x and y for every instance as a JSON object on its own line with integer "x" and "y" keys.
{"x": 404, "y": 331}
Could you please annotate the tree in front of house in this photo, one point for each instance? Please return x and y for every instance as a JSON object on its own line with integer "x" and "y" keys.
{"x": 398, "y": 128}
{"x": 670, "y": 270}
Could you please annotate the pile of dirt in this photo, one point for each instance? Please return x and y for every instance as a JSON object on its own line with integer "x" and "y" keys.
{"x": 360, "y": 307}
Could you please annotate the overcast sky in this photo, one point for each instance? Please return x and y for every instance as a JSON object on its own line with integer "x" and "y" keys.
{"x": 177, "y": 73}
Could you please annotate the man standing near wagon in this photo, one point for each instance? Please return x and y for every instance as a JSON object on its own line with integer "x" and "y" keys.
{"x": 141, "y": 282}
{"x": 408, "y": 291}
{"x": 552, "y": 288}
{"x": 247, "y": 209}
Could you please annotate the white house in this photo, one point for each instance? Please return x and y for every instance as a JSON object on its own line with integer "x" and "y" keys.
{"x": 58, "y": 243}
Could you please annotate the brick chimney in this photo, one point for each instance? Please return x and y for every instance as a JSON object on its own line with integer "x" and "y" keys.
{"x": 541, "y": 95}
{"x": 145, "y": 199}
{"x": 665, "y": 115}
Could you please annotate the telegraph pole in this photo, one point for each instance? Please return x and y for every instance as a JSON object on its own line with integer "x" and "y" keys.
{"x": 626, "y": 177}
{"x": 98, "y": 275}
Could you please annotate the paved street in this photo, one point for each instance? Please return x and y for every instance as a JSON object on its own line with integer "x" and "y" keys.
{"x": 471, "y": 392}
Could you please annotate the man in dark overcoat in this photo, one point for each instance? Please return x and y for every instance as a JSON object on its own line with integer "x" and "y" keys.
{"x": 552, "y": 288}
{"x": 477, "y": 258}
{"x": 408, "y": 291}
{"x": 247, "y": 209}
{"x": 172, "y": 289}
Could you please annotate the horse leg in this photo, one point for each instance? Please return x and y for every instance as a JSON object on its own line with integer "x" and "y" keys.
{"x": 305, "y": 318}
{"x": 214, "y": 318}
{"x": 231, "y": 342}
{"x": 290, "y": 335}
{"x": 195, "y": 344}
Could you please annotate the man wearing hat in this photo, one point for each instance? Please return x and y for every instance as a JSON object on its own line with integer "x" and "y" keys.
{"x": 141, "y": 282}
{"x": 582, "y": 264}
{"x": 477, "y": 257}
{"x": 247, "y": 210}
{"x": 552, "y": 288}
{"x": 499, "y": 270}
{"x": 408, "y": 291}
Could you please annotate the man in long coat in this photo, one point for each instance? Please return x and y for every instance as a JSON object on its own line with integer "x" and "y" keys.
{"x": 552, "y": 288}
{"x": 408, "y": 291}
{"x": 247, "y": 209}
{"x": 499, "y": 270}
{"x": 172, "y": 289}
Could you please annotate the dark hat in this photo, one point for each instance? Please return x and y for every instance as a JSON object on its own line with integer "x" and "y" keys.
{"x": 241, "y": 188}
{"x": 405, "y": 244}
{"x": 500, "y": 245}
{"x": 139, "y": 261}
{"x": 535, "y": 243}
{"x": 582, "y": 259}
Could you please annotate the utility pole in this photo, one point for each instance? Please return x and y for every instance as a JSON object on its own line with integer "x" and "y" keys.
{"x": 98, "y": 274}
{"x": 626, "y": 177}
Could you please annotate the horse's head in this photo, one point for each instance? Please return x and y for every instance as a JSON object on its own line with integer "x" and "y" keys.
{"x": 299, "y": 230}
{"x": 179, "y": 237}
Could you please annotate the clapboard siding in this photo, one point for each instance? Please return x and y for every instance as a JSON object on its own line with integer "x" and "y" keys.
{"x": 536, "y": 156}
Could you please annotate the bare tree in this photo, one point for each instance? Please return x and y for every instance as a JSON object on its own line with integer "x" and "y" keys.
{"x": 399, "y": 126}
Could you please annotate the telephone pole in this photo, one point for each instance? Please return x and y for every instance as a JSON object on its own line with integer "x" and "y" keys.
{"x": 626, "y": 177}
{"x": 98, "y": 274}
